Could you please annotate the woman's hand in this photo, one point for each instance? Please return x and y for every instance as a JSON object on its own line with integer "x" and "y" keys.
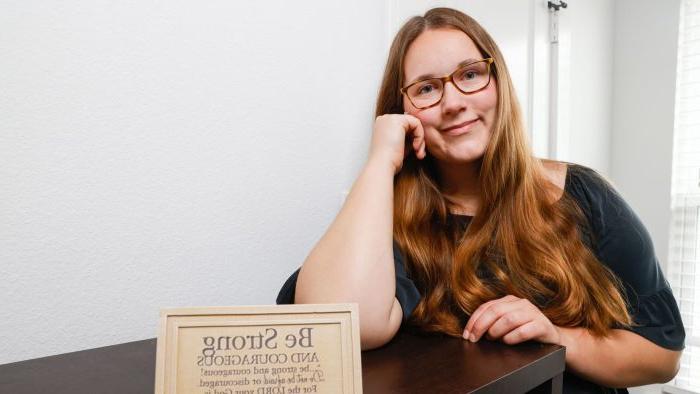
{"x": 389, "y": 138}
{"x": 512, "y": 320}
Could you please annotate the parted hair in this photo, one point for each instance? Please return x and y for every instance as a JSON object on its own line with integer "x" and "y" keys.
{"x": 524, "y": 239}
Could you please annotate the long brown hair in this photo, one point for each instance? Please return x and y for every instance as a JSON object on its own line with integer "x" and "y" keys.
{"x": 524, "y": 240}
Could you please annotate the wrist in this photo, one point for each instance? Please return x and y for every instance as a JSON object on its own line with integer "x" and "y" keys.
{"x": 380, "y": 162}
{"x": 568, "y": 338}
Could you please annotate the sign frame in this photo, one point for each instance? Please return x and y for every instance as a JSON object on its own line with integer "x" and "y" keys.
{"x": 344, "y": 317}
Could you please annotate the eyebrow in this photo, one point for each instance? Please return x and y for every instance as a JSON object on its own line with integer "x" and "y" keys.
{"x": 428, "y": 76}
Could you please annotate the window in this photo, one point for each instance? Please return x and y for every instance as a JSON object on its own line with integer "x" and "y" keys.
{"x": 684, "y": 252}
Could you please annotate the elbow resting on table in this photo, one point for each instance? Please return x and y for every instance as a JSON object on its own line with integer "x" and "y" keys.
{"x": 622, "y": 359}
{"x": 376, "y": 335}
{"x": 377, "y": 327}
{"x": 664, "y": 368}
{"x": 374, "y": 331}
{"x": 670, "y": 370}
{"x": 379, "y": 321}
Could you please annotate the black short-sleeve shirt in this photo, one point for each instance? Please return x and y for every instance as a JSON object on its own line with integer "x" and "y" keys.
{"x": 619, "y": 240}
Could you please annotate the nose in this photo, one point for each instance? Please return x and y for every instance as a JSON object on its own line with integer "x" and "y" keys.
{"x": 453, "y": 101}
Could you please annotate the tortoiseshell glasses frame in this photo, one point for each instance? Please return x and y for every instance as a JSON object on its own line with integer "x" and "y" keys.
{"x": 465, "y": 86}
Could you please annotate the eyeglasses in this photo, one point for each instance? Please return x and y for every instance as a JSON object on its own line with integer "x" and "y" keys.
{"x": 469, "y": 78}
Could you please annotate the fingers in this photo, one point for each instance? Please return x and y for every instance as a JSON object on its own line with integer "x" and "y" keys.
{"x": 419, "y": 148}
{"x": 469, "y": 329}
{"x": 492, "y": 313}
{"x": 513, "y": 320}
{"x": 415, "y": 127}
{"x": 508, "y": 322}
{"x": 525, "y": 332}
{"x": 394, "y": 137}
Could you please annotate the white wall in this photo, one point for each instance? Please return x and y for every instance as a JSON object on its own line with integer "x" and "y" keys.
{"x": 169, "y": 154}
{"x": 179, "y": 154}
{"x": 645, "y": 42}
{"x": 589, "y": 112}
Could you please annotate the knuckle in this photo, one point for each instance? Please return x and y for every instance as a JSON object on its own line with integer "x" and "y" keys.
{"x": 499, "y": 309}
{"x": 525, "y": 303}
{"x": 516, "y": 334}
{"x": 478, "y": 328}
{"x": 512, "y": 338}
{"x": 490, "y": 315}
{"x": 492, "y": 333}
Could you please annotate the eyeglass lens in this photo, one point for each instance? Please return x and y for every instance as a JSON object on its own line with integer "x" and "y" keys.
{"x": 468, "y": 79}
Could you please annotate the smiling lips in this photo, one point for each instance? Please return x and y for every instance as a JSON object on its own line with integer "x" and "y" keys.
{"x": 460, "y": 128}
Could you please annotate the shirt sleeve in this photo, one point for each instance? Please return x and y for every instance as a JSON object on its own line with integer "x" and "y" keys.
{"x": 406, "y": 292}
{"x": 620, "y": 241}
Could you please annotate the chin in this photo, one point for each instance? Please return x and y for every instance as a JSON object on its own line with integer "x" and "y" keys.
{"x": 463, "y": 155}
{"x": 467, "y": 159}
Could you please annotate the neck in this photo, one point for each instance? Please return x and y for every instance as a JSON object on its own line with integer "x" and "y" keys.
{"x": 459, "y": 183}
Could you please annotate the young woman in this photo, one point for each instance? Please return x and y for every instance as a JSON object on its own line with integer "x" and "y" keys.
{"x": 455, "y": 227}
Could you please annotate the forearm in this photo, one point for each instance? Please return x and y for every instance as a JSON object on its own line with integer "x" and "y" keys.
{"x": 623, "y": 359}
{"x": 353, "y": 261}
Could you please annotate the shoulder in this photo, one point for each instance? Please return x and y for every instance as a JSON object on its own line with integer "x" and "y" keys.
{"x": 561, "y": 173}
{"x": 594, "y": 193}
{"x": 586, "y": 176}
{"x": 556, "y": 173}
{"x": 620, "y": 239}
{"x": 591, "y": 190}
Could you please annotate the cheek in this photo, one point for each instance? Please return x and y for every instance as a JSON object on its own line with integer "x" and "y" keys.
{"x": 429, "y": 118}
{"x": 430, "y": 122}
{"x": 490, "y": 100}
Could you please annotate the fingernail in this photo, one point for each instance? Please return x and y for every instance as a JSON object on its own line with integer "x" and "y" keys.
{"x": 472, "y": 338}
{"x": 465, "y": 335}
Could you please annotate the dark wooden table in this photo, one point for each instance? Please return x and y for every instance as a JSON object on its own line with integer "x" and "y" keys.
{"x": 410, "y": 363}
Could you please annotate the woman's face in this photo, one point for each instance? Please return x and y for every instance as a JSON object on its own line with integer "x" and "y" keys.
{"x": 438, "y": 53}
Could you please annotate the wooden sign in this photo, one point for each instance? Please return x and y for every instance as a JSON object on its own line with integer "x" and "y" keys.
{"x": 280, "y": 349}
